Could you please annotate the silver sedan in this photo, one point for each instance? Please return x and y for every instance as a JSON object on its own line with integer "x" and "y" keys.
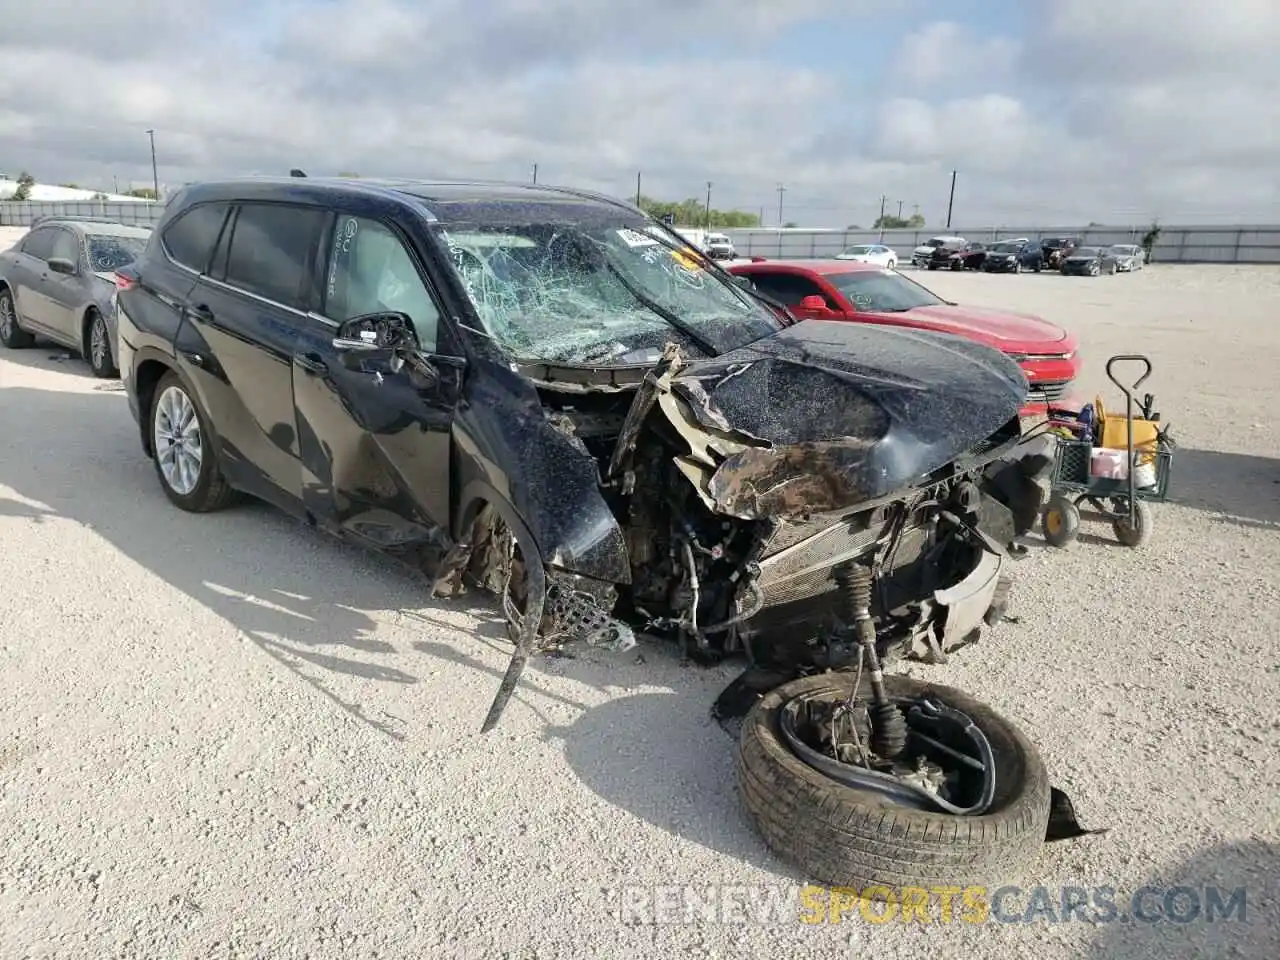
{"x": 1128, "y": 257}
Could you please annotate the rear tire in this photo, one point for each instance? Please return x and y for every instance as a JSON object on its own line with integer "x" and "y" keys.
{"x": 97, "y": 347}
{"x": 12, "y": 335}
{"x": 842, "y": 836}
{"x": 195, "y": 488}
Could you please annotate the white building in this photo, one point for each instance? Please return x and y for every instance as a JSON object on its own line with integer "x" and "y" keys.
{"x": 50, "y": 194}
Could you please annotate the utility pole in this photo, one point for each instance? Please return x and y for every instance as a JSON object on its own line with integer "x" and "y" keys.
{"x": 116, "y": 181}
{"x": 952, "y": 199}
{"x": 637, "y": 188}
{"x": 915, "y": 209}
{"x": 708, "y": 204}
{"x": 155, "y": 177}
{"x": 535, "y": 173}
{"x": 880, "y": 222}
{"x": 781, "y": 191}
{"x": 899, "y": 209}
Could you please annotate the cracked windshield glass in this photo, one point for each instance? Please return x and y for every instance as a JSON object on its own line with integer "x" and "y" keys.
{"x": 598, "y": 293}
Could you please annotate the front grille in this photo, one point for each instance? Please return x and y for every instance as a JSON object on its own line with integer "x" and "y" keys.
{"x": 1047, "y": 391}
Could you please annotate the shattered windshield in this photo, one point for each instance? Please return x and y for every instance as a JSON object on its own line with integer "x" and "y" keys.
{"x": 596, "y": 289}
{"x": 108, "y": 252}
{"x": 877, "y": 291}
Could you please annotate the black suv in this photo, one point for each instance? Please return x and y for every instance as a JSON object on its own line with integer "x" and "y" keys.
{"x": 549, "y": 394}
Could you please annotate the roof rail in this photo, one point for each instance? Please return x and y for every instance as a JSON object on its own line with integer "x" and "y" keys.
{"x": 73, "y": 218}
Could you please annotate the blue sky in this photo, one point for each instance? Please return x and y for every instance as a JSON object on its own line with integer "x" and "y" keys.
{"x": 1062, "y": 113}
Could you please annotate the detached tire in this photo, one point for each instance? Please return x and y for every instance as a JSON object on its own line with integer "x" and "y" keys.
{"x": 840, "y": 836}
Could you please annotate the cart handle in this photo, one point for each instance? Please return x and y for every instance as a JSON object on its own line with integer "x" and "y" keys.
{"x": 1139, "y": 381}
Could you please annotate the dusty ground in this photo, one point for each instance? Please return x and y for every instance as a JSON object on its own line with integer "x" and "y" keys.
{"x": 226, "y": 736}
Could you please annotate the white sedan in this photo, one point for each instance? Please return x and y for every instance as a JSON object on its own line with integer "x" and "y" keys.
{"x": 870, "y": 253}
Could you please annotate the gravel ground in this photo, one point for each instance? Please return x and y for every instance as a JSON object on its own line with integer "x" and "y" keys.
{"x": 226, "y": 736}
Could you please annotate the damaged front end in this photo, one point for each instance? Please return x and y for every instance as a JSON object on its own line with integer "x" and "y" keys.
{"x": 743, "y": 486}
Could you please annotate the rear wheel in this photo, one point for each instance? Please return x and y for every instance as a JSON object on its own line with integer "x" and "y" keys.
{"x": 98, "y": 347}
{"x": 12, "y": 335}
{"x": 183, "y": 449}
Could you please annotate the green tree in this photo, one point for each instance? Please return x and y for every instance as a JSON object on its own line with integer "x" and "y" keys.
{"x": 890, "y": 222}
{"x": 25, "y": 182}
{"x": 693, "y": 213}
{"x": 1150, "y": 237}
{"x": 70, "y": 186}
{"x": 146, "y": 193}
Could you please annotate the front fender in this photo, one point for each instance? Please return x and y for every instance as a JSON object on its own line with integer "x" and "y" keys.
{"x": 508, "y": 452}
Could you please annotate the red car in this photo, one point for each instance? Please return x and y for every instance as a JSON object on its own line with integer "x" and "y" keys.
{"x": 867, "y": 293}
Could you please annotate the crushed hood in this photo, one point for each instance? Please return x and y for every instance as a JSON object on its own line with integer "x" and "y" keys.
{"x": 826, "y": 415}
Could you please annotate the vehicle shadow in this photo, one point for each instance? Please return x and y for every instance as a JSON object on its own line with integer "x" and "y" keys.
{"x": 47, "y": 355}
{"x": 1243, "y": 488}
{"x": 623, "y": 749}
{"x": 657, "y": 754}
{"x": 1184, "y": 928}
{"x": 271, "y": 577}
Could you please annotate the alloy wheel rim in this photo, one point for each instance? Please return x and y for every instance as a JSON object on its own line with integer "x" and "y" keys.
{"x": 179, "y": 445}
{"x": 6, "y": 316}
{"x": 98, "y": 343}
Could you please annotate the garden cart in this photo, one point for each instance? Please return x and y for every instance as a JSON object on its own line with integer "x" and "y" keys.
{"x": 1122, "y": 460}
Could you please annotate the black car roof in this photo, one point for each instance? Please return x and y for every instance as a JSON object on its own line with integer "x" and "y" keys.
{"x": 423, "y": 194}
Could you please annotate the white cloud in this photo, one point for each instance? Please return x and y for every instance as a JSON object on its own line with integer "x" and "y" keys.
{"x": 1100, "y": 112}
{"x": 953, "y": 54}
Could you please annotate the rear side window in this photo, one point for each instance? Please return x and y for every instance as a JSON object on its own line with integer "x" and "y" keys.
{"x": 786, "y": 287}
{"x": 66, "y": 247}
{"x": 190, "y": 238}
{"x": 39, "y": 243}
{"x": 271, "y": 246}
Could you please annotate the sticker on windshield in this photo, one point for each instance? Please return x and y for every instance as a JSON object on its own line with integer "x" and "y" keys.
{"x": 634, "y": 239}
{"x": 686, "y": 260}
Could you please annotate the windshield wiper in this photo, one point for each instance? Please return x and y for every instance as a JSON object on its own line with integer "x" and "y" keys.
{"x": 700, "y": 341}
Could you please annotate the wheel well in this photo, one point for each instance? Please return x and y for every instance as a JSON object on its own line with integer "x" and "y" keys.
{"x": 145, "y": 378}
{"x": 85, "y": 323}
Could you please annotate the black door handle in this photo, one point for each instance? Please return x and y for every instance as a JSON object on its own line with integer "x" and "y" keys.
{"x": 312, "y": 363}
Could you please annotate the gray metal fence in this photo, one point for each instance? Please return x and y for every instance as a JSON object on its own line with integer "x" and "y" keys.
{"x": 20, "y": 213}
{"x": 1244, "y": 243}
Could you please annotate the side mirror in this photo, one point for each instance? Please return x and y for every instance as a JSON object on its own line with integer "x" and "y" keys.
{"x": 376, "y": 332}
{"x": 814, "y": 303}
{"x": 62, "y": 265}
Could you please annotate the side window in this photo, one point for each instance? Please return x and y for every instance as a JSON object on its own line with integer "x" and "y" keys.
{"x": 190, "y": 238}
{"x": 270, "y": 248}
{"x": 39, "y": 243}
{"x": 787, "y": 287}
{"x": 371, "y": 271}
{"x": 65, "y": 246}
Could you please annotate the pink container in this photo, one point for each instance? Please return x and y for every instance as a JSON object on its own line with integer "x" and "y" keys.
{"x": 1106, "y": 463}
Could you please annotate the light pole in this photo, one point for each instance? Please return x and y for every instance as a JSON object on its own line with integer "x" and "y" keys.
{"x": 708, "y": 204}
{"x": 155, "y": 177}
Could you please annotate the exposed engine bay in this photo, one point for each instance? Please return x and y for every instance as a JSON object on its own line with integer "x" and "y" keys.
{"x": 742, "y": 546}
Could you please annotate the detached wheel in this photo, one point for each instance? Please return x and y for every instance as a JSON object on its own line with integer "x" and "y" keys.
{"x": 98, "y": 347}
{"x": 12, "y": 335}
{"x": 183, "y": 449}
{"x": 1060, "y": 523}
{"x": 1139, "y": 532}
{"x": 843, "y": 836}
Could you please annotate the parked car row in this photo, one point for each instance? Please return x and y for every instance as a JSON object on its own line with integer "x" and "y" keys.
{"x": 1063, "y": 254}
{"x": 547, "y": 394}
